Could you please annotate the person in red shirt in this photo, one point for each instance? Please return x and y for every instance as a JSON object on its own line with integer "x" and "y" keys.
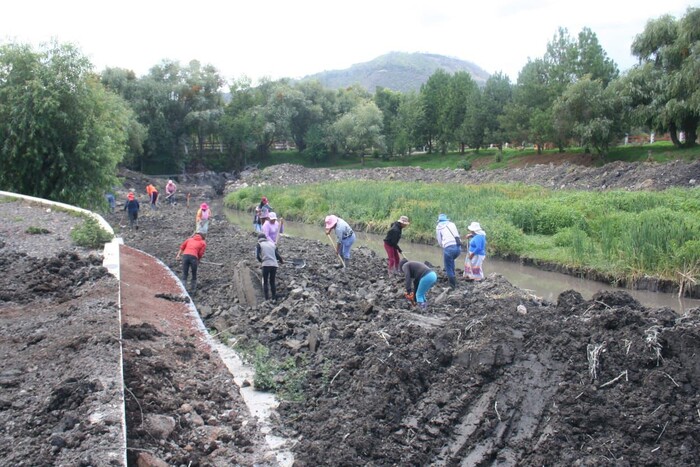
{"x": 192, "y": 251}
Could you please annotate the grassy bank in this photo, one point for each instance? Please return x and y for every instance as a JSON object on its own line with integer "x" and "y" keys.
{"x": 626, "y": 234}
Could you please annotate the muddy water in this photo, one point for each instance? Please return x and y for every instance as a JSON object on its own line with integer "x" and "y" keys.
{"x": 545, "y": 284}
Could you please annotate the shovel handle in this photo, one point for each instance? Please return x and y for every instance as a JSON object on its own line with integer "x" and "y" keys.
{"x": 340, "y": 258}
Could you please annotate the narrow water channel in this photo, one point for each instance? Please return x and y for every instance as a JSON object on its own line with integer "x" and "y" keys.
{"x": 545, "y": 284}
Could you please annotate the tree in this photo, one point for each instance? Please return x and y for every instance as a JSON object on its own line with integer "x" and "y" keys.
{"x": 62, "y": 132}
{"x": 592, "y": 112}
{"x": 359, "y": 129}
{"x": 664, "y": 86}
{"x": 496, "y": 96}
{"x": 433, "y": 95}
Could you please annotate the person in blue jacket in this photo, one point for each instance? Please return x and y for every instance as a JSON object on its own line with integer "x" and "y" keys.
{"x": 473, "y": 263}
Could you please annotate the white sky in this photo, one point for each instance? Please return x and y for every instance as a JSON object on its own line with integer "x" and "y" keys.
{"x": 288, "y": 38}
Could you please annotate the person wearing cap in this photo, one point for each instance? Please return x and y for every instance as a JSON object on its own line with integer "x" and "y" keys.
{"x": 170, "y": 189}
{"x": 419, "y": 278}
{"x": 391, "y": 244}
{"x": 345, "y": 237}
{"x": 132, "y": 209}
{"x": 448, "y": 239}
{"x": 474, "y": 260}
{"x": 192, "y": 251}
{"x": 267, "y": 254}
{"x": 271, "y": 228}
{"x": 152, "y": 192}
{"x": 202, "y": 219}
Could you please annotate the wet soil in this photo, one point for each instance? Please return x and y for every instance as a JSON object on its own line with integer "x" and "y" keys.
{"x": 488, "y": 374}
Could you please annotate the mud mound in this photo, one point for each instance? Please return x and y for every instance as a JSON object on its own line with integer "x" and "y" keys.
{"x": 555, "y": 175}
{"x": 60, "y": 361}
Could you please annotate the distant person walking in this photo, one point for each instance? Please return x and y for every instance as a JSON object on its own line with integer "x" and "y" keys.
{"x": 271, "y": 228}
{"x": 344, "y": 235}
{"x": 202, "y": 219}
{"x": 391, "y": 244}
{"x": 170, "y": 189}
{"x": 473, "y": 263}
{"x": 267, "y": 254}
{"x": 448, "y": 239}
{"x": 419, "y": 278}
{"x": 132, "y": 209}
{"x": 152, "y": 192}
{"x": 192, "y": 251}
{"x": 111, "y": 202}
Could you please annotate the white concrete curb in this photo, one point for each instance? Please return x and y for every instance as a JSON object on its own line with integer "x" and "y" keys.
{"x": 111, "y": 262}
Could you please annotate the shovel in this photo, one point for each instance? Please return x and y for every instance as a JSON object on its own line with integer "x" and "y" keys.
{"x": 298, "y": 263}
{"x": 340, "y": 258}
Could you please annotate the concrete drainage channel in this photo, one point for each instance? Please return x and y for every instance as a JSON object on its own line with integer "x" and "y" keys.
{"x": 260, "y": 404}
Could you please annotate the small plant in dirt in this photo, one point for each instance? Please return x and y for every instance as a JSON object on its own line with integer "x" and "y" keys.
{"x": 90, "y": 234}
{"x": 464, "y": 164}
{"x": 265, "y": 369}
{"x": 293, "y": 377}
{"x": 31, "y": 230}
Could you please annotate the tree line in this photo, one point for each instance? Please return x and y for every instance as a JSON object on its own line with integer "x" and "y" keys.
{"x": 62, "y": 125}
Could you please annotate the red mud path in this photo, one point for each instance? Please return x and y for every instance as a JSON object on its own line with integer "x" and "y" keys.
{"x": 182, "y": 404}
{"x": 142, "y": 278}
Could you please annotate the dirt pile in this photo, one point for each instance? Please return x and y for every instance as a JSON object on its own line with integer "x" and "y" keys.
{"x": 487, "y": 374}
{"x": 552, "y": 172}
{"x": 59, "y": 347}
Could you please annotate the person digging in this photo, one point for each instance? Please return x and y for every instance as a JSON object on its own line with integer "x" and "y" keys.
{"x": 192, "y": 251}
{"x": 420, "y": 278}
{"x": 345, "y": 237}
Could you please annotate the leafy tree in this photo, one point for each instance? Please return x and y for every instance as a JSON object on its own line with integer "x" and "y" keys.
{"x": 664, "y": 86}
{"x": 460, "y": 102}
{"x": 433, "y": 97}
{"x": 388, "y": 102}
{"x": 311, "y": 110}
{"x": 407, "y": 123}
{"x": 496, "y": 96}
{"x": 62, "y": 132}
{"x": 591, "y": 112}
{"x": 359, "y": 129}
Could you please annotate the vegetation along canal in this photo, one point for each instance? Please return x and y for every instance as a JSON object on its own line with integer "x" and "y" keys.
{"x": 545, "y": 284}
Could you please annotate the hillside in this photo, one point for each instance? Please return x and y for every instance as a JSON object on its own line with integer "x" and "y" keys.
{"x": 398, "y": 71}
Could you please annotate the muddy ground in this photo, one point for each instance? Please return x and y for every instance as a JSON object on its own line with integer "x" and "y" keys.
{"x": 487, "y": 375}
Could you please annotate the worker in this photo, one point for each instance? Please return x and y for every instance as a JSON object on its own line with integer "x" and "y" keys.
{"x": 419, "y": 279}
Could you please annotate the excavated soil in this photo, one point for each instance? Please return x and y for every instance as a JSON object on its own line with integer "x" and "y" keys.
{"x": 488, "y": 374}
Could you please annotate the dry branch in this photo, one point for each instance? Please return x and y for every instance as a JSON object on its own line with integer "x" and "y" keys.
{"x": 624, "y": 373}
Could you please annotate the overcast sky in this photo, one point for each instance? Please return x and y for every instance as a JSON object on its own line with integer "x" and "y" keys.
{"x": 287, "y": 38}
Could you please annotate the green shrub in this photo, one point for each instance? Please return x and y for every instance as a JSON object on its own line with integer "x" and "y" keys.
{"x": 31, "y": 230}
{"x": 464, "y": 164}
{"x": 503, "y": 238}
{"x": 90, "y": 234}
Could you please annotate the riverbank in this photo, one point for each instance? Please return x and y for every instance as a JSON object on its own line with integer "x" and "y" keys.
{"x": 609, "y": 237}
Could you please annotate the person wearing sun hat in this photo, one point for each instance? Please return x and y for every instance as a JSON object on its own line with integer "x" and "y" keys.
{"x": 271, "y": 228}
{"x": 391, "y": 244}
{"x": 344, "y": 235}
{"x": 202, "y": 219}
{"x": 474, "y": 261}
{"x": 448, "y": 239}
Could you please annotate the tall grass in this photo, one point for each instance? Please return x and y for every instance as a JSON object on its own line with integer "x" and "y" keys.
{"x": 624, "y": 233}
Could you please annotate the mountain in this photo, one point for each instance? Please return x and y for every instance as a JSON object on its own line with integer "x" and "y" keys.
{"x": 398, "y": 71}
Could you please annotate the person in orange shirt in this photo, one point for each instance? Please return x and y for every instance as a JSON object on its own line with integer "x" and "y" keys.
{"x": 192, "y": 251}
{"x": 153, "y": 195}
